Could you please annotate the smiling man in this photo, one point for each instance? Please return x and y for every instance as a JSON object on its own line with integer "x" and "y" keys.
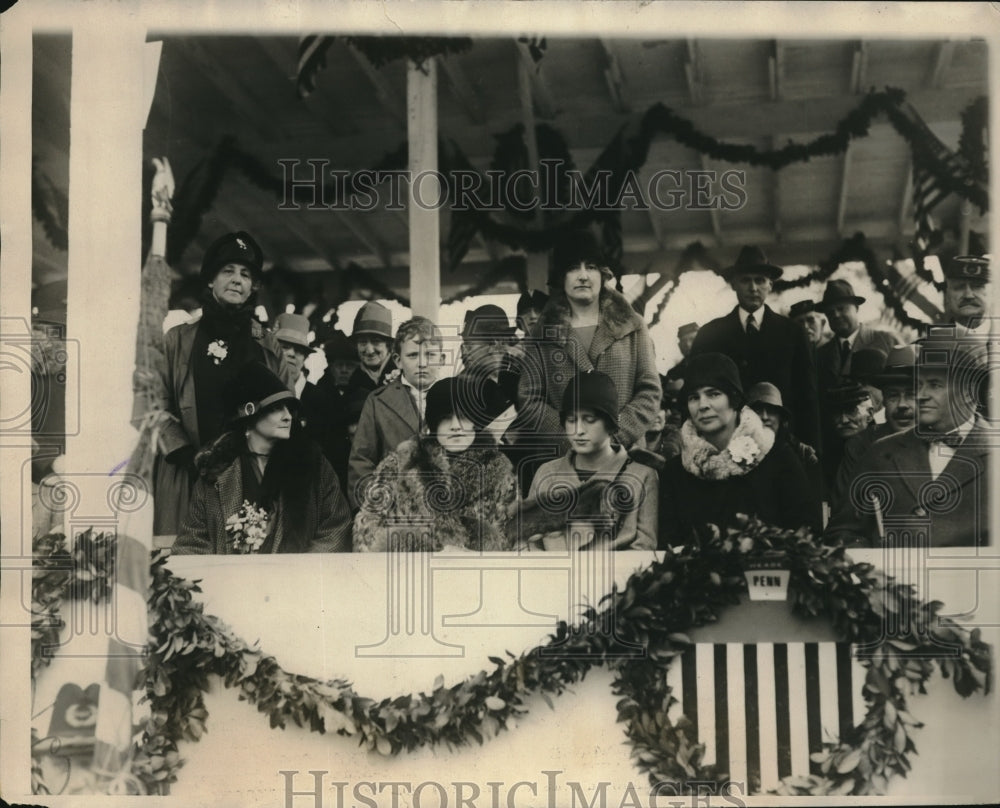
{"x": 765, "y": 346}
{"x": 928, "y": 484}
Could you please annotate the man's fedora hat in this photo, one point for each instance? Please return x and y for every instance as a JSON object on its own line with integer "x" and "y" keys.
{"x": 752, "y": 259}
{"x": 839, "y": 292}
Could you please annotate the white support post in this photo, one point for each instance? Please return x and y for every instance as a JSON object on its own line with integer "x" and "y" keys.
{"x": 107, "y": 115}
{"x": 425, "y": 190}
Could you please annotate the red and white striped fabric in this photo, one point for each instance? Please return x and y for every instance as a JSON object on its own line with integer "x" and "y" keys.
{"x": 762, "y": 709}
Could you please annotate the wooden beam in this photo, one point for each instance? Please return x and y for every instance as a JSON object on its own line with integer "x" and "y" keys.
{"x": 942, "y": 61}
{"x": 845, "y": 171}
{"x": 425, "y": 221}
{"x": 859, "y": 69}
{"x": 525, "y": 93}
{"x": 655, "y": 225}
{"x": 364, "y": 234}
{"x": 613, "y": 76}
{"x": 540, "y": 93}
{"x": 462, "y": 89}
{"x": 237, "y": 97}
{"x": 386, "y": 95}
{"x": 776, "y": 71}
{"x": 692, "y": 72}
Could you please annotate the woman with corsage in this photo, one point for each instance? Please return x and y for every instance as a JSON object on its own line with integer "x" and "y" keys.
{"x": 729, "y": 463}
{"x": 263, "y": 487}
{"x": 449, "y": 487}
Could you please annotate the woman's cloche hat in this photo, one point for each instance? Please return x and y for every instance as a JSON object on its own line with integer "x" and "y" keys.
{"x": 253, "y": 390}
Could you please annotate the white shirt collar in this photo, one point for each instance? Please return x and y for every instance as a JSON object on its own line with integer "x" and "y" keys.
{"x": 300, "y": 385}
{"x": 421, "y": 395}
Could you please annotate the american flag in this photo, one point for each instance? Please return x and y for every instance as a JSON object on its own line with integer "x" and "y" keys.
{"x": 312, "y": 59}
{"x": 762, "y": 709}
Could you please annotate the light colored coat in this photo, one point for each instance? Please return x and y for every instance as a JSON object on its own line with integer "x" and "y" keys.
{"x": 621, "y": 348}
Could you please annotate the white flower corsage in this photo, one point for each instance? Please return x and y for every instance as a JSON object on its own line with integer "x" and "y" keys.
{"x": 218, "y": 350}
{"x": 392, "y": 375}
{"x": 743, "y": 450}
{"x": 248, "y": 528}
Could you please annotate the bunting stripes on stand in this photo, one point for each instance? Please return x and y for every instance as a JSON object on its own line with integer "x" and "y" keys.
{"x": 312, "y": 59}
{"x": 761, "y": 710}
{"x": 119, "y": 696}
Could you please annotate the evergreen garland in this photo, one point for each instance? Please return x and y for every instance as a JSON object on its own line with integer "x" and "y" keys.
{"x": 657, "y": 605}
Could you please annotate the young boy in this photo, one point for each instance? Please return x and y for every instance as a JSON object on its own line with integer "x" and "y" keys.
{"x": 589, "y": 414}
{"x": 394, "y": 412}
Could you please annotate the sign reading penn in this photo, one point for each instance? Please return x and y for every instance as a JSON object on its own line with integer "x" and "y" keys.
{"x": 768, "y": 579}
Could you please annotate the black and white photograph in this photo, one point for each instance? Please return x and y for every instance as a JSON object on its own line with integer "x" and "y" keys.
{"x": 498, "y": 404}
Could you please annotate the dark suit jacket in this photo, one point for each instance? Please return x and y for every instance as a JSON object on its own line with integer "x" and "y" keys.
{"x": 954, "y": 509}
{"x": 779, "y": 355}
{"x": 828, "y": 365}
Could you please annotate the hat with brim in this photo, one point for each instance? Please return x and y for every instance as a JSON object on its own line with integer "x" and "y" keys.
{"x": 753, "y": 259}
{"x": 233, "y": 248}
{"x": 373, "y": 319}
{"x": 591, "y": 391}
{"x": 292, "y": 329}
{"x": 849, "y": 393}
{"x": 487, "y": 322}
{"x": 900, "y": 368}
{"x": 802, "y": 307}
{"x": 867, "y": 363}
{"x": 253, "y": 390}
{"x": 338, "y": 346}
{"x": 712, "y": 370}
{"x": 839, "y": 292}
{"x": 765, "y": 393}
{"x": 531, "y": 300}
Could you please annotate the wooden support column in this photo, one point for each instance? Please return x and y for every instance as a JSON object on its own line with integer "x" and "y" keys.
{"x": 425, "y": 190}
{"x": 107, "y": 115}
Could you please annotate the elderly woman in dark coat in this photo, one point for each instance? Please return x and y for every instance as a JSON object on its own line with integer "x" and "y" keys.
{"x": 263, "y": 486}
{"x": 452, "y": 484}
{"x": 199, "y": 359}
{"x": 730, "y": 463}
{"x": 585, "y": 326}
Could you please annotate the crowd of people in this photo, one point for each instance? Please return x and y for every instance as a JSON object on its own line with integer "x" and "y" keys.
{"x": 557, "y": 429}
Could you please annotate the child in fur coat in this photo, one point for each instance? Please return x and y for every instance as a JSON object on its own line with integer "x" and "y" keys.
{"x": 450, "y": 487}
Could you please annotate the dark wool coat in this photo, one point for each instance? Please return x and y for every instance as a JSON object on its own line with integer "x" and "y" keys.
{"x": 621, "y": 348}
{"x": 461, "y": 500}
{"x": 953, "y": 510}
{"x": 173, "y": 392}
{"x": 828, "y": 365}
{"x": 702, "y": 486}
{"x": 779, "y": 354}
{"x": 309, "y": 490}
{"x": 389, "y": 417}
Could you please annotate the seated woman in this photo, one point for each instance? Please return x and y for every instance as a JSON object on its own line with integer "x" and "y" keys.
{"x": 450, "y": 487}
{"x": 730, "y": 463}
{"x": 263, "y": 487}
{"x": 595, "y": 483}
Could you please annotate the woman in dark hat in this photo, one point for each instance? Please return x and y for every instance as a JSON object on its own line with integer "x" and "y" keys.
{"x": 730, "y": 463}
{"x": 586, "y": 325}
{"x": 263, "y": 487}
{"x": 199, "y": 359}
{"x": 595, "y": 482}
{"x": 450, "y": 487}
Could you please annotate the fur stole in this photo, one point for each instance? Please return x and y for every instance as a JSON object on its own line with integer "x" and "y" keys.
{"x": 615, "y": 314}
{"x": 749, "y": 445}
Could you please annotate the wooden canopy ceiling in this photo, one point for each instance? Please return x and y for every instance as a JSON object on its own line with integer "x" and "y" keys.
{"x": 760, "y": 92}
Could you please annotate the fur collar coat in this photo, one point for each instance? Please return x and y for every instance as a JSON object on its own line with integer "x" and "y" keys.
{"x": 750, "y": 443}
{"x": 458, "y": 500}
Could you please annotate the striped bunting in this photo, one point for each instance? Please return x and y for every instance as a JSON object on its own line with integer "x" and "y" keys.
{"x": 312, "y": 59}
{"x": 761, "y": 710}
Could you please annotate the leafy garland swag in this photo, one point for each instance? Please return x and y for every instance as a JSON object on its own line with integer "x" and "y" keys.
{"x": 657, "y": 605}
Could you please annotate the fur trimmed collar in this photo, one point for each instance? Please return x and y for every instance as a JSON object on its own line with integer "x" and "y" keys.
{"x": 426, "y": 454}
{"x": 749, "y": 445}
{"x": 615, "y": 314}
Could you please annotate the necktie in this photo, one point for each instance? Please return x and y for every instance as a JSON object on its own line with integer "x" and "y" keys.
{"x": 751, "y": 325}
{"x": 952, "y": 439}
{"x": 845, "y": 354}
